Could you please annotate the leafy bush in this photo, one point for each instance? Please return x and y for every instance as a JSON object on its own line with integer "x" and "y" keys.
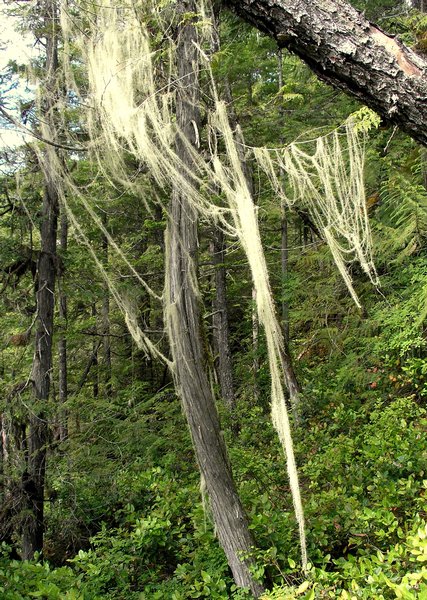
{"x": 400, "y": 572}
{"x": 20, "y": 580}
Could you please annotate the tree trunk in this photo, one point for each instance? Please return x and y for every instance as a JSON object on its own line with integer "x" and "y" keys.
{"x": 347, "y": 51}
{"x": 95, "y": 362}
{"x": 221, "y": 332}
{"x": 284, "y": 263}
{"x": 284, "y": 254}
{"x": 5, "y": 469}
{"x": 62, "y": 343}
{"x": 33, "y": 479}
{"x": 92, "y": 362}
{"x": 105, "y": 317}
{"x": 424, "y": 166}
{"x": 184, "y": 328}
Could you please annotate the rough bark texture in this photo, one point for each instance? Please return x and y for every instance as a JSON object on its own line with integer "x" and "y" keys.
{"x": 347, "y": 51}
{"x": 33, "y": 479}
{"x": 184, "y": 326}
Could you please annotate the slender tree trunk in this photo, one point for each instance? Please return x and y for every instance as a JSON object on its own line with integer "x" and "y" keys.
{"x": 92, "y": 362}
{"x": 284, "y": 264}
{"x": 62, "y": 343}
{"x": 424, "y": 166}
{"x": 105, "y": 318}
{"x": 95, "y": 362}
{"x": 221, "y": 332}
{"x": 284, "y": 255}
{"x": 11, "y": 442}
{"x": 347, "y": 51}
{"x": 305, "y": 232}
{"x": 105, "y": 314}
{"x": 4, "y": 455}
{"x": 184, "y": 327}
{"x": 33, "y": 479}
{"x": 4, "y": 472}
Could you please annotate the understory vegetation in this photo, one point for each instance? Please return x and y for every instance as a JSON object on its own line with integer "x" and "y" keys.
{"x": 126, "y": 516}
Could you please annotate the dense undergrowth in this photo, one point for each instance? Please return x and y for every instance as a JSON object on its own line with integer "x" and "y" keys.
{"x": 364, "y": 483}
{"x": 362, "y": 458}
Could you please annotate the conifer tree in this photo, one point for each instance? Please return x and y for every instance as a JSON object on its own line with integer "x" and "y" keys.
{"x": 185, "y": 335}
{"x": 33, "y": 478}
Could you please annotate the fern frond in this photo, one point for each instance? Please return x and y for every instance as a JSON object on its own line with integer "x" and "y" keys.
{"x": 403, "y": 212}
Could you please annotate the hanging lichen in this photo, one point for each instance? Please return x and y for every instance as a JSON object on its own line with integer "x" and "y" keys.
{"x": 326, "y": 177}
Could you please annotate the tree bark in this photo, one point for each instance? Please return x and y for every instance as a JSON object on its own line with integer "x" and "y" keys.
{"x": 221, "y": 331}
{"x": 183, "y": 320}
{"x": 105, "y": 318}
{"x": 284, "y": 254}
{"x": 95, "y": 361}
{"x": 220, "y": 321}
{"x": 347, "y": 51}
{"x": 92, "y": 362}
{"x": 62, "y": 343}
{"x": 33, "y": 479}
{"x": 4, "y": 455}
